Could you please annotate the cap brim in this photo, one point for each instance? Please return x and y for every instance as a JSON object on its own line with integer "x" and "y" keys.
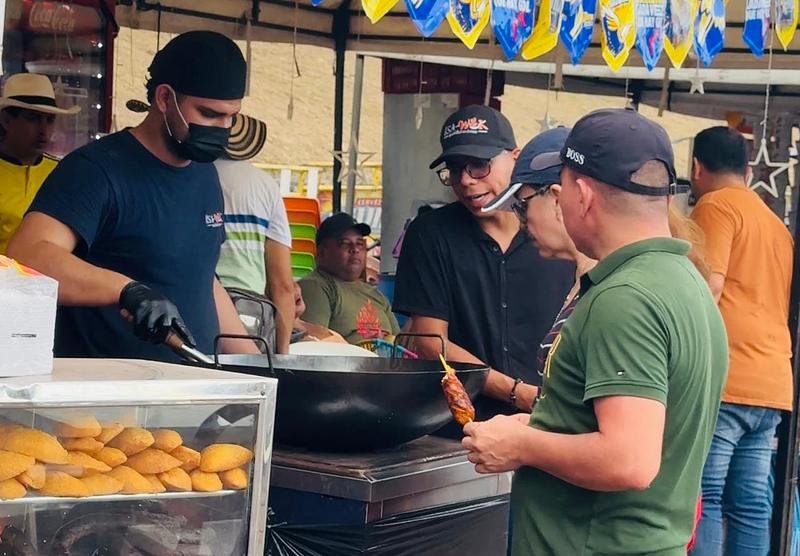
{"x": 476, "y": 151}
{"x": 504, "y": 200}
{"x": 11, "y": 103}
{"x": 363, "y": 229}
{"x": 545, "y": 161}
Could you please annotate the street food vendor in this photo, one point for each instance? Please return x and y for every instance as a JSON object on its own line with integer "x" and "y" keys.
{"x": 611, "y": 458}
{"x": 132, "y": 223}
{"x": 475, "y": 278}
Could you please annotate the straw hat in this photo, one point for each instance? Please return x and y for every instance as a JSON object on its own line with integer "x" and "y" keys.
{"x": 32, "y": 92}
{"x": 248, "y": 134}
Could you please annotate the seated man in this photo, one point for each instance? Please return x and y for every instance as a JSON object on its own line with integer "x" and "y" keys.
{"x": 334, "y": 293}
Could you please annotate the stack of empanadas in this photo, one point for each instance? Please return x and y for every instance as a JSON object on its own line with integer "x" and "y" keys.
{"x": 86, "y": 458}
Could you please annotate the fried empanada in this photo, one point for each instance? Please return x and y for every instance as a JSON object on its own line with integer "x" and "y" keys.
{"x": 86, "y": 444}
{"x": 166, "y": 439}
{"x": 79, "y": 426}
{"x": 13, "y": 464}
{"x": 33, "y": 477}
{"x": 235, "y": 479}
{"x": 11, "y": 489}
{"x": 189, "y": 457}
{"x": 155, "y": 484}
{"x": 35, "y": 443}
{"x": 109, "y": 431}
{"x": 101, "y": 484}
{"x": 151, "y": 461}
{"x": 111, "y": 456}
{"x": 221, "y": 457}
{"x": 205, "y": 482}
{"x": 89, "y": 464}
{"x": 132, "y": 481}
{"x": 176, "y": 480}
{"x": 57, "y": 483}
{"x": 132, "y": 441}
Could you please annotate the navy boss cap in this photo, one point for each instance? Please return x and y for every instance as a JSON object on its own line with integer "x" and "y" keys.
{"x": 609, "y": 145}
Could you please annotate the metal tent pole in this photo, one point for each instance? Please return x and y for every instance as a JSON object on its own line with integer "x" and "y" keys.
{"x": 341, "y": 29}
{"x": 355, "y": 126}
{"x": 786, "y": 467}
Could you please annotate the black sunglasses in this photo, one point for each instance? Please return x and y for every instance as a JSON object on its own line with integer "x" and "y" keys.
{"x": 476, "y": 168}
{"x": 520, "y": 206}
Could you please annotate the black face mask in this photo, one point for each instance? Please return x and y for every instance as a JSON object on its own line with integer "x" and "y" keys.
{"x": 203, "y": 143}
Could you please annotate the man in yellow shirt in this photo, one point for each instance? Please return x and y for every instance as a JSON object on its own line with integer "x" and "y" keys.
{"x": 27, "y": 117}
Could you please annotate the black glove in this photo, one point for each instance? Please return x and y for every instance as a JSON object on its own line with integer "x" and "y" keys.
{"x": 154, "y": 316}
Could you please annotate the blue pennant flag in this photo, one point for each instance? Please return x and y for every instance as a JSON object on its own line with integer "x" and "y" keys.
{"x": 577, "y": 27}
{"x": 709, "y": 30}
{"x": 512, "y": 22}
{"x": 650, "y": 24}
{"x": 427, "y": 15}
{"x": 756, "y": 25}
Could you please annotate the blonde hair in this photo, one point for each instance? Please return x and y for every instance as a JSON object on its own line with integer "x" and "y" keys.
{"x": 684, "y": 228}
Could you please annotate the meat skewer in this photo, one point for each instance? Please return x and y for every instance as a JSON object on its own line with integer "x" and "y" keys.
{"x": 457, "y": 399}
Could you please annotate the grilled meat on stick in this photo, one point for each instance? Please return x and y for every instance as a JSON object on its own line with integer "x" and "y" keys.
{"x": 457, "y": 398}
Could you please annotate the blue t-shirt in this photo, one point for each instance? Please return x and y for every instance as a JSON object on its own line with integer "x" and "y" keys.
{"x": 150, "y": 221}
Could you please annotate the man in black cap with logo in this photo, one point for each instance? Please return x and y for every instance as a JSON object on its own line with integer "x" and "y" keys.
{"x": 131, "y": 225}
{"x": 611, "y": 458}
{"x": 475, "y": 278}
{"x": 335, "y": 294}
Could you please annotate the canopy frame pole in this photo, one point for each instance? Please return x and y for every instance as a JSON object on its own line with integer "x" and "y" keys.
{"x": 341, "y": 31}
{"x": 355, "y": 127}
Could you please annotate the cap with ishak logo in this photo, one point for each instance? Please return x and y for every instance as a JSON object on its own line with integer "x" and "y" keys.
{"x": 475, "y": 131}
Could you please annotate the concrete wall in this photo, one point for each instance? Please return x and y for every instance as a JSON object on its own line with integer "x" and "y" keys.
{"x": 407, "y": 152}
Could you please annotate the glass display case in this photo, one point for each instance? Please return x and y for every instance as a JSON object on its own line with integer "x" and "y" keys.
{"x": 120, "y": 457}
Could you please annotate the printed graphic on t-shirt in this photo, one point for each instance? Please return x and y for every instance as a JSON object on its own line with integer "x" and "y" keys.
{"x": 368, "y": 321}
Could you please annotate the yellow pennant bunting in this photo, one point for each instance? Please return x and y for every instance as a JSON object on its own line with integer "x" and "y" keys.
{"x": 618, "y": 26}
{"x": 468, "y": 19}
{"x": 679, "y": 30}
{"x": 545, "y": 32}
{"x": 786, "y": 17}
{"x": 376, "y": 9}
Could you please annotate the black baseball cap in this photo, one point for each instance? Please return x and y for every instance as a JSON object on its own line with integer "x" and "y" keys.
{"x": 609, "y": 145}
{"x": 548, "y": 141}
{"x": 337, "y": 224}
{"x": 201, "y": 64}
{"x": 477, "y": 131}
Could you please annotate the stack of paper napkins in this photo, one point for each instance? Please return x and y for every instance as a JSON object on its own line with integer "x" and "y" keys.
{"x": 27, "y": 320}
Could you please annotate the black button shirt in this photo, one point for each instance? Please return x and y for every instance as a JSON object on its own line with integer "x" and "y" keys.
{"x": 498, "y": 305}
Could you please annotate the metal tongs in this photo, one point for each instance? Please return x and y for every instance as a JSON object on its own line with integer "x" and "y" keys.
{"x": 176, "y": 344}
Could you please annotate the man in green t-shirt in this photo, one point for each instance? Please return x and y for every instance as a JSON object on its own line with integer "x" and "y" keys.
{"x": 611, "y": 458}
{"x": 335, "y": 294}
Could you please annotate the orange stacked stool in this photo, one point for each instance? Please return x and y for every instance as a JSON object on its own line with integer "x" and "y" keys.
{"x": 304, "y": 220}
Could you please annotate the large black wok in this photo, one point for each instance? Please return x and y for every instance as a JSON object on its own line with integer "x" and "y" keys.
{"x": 339, "y": 403}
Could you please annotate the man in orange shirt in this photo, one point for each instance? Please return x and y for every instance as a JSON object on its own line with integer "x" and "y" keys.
{"x": 750, "y": 253}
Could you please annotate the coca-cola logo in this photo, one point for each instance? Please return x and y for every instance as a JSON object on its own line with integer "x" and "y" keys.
{"x": 53, "y": 17}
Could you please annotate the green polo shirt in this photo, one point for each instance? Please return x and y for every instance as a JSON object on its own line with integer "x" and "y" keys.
{"x": 647, "y": 326}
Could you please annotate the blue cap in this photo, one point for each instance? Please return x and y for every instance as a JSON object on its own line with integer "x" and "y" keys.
{"x": 550, "y": 141}
{"x": 610, "y": 145}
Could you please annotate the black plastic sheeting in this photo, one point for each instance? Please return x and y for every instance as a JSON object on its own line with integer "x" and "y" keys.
{"x": 476, "y": 528}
